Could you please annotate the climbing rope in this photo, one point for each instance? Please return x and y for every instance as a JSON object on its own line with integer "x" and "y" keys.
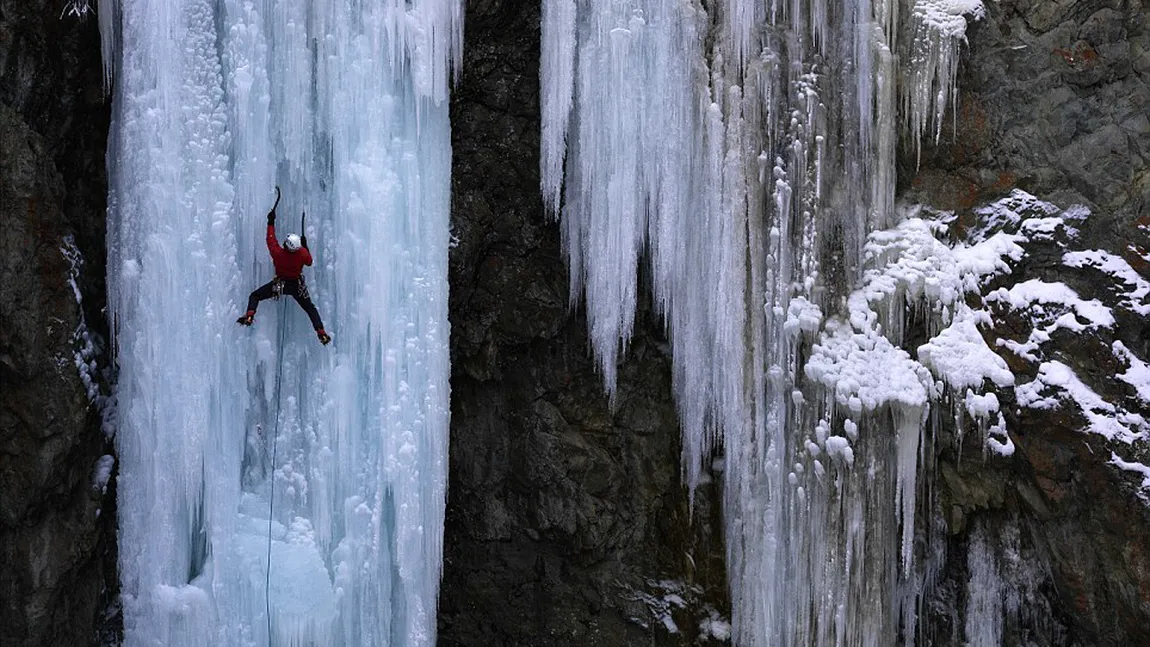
{"x": 276, "y": 434}
{"x": 272, "y": 478}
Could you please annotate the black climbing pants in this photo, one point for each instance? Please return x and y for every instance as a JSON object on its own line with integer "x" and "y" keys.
{"x": 296, "y": 288}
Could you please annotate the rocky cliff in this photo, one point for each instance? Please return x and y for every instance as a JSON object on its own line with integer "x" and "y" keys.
{"x": 1055, "y": 532}
{"x": 566, "y": 521}
{"x": 57, "y": 520}
{"x": 1054, "y": 100}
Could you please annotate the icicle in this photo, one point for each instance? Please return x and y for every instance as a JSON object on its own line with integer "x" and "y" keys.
{"x": 556, "y": 85}
{"x": 939, "y": 27}
{"x": 109, "y": 17}
{"x": 984, "y": 605}
{"x": 908, "y": 423}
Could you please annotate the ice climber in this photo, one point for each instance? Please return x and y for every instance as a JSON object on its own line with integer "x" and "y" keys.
{"x": 289, "y": 261}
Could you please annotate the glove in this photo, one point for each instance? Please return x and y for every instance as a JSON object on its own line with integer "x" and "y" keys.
{"x": 272, "y": 217}
{"x": 303, "y": 241}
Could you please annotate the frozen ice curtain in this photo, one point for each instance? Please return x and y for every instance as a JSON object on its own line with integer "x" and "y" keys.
{"x": 344, "y": 105}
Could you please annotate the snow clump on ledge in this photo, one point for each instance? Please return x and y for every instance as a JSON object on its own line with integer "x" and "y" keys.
{"x": 861, "y": 361}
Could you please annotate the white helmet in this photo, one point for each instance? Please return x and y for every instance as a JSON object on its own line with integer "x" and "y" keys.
{"x": 291, "y": 243}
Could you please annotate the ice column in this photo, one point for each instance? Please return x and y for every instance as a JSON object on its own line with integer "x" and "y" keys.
{"x": 342, "y": 104}
{"x": 984, "y": 606}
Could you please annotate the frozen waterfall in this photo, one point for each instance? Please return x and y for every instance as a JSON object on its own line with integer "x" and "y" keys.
{"x": 744, "y": 150}
{"x": 343, "y": 104}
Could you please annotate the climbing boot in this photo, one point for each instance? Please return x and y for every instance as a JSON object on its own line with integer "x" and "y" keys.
{"x": 324, "y": 338}
{"x": 247, "y": 319}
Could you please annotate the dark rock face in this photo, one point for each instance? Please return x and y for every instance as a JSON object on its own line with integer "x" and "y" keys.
{"x": 1054, "y": 100}
{"x": 567, "y": 522}
{"x": 1089, "y": 520}
{"x": 56, "y": 529}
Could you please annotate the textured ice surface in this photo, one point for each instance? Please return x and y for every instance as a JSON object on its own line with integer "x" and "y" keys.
{"x": 344, "y": 106}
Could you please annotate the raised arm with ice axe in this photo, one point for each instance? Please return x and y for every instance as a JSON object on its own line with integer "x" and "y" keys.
{"x": 289, "y": 261}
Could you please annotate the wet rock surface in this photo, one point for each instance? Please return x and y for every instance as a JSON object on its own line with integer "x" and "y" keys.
{"x": 56, "y": 528}
{"x": 567, "y": 522}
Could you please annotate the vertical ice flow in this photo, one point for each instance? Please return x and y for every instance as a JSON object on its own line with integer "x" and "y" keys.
{"x": 742, "y": 151}
{"x": 344, "y": 106}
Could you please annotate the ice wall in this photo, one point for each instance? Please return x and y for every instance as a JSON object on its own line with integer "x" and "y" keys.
{"x": 343, "y": 104}
{"x": 743, "y": 150}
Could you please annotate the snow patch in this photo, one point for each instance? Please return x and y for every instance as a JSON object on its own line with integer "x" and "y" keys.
{"x": 89, "y": 346}
{"x": 909, "y": 267}
{"x": 960, "y": 357}
{"x": 1103, "y": 418}
{"x": 1049, "y": 307}
{"x": 1117, "y": 267}
{"x": 865, "y": 371}
{"x": 1138, "y": 468}
{"x": 661, "y": 605}
{"x": 1030, "y": 217}
{"x": 715, "y": 627}
{"x": 1034, "y": 294}
{"x": 1138, "y": 373}
{"x": 102, "y": 472}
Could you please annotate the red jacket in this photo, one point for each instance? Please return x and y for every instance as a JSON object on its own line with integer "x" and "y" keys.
{"x": 289, "y": 265}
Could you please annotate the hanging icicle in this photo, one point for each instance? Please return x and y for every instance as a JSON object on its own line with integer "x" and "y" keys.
{"x": 746, "y": 150}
